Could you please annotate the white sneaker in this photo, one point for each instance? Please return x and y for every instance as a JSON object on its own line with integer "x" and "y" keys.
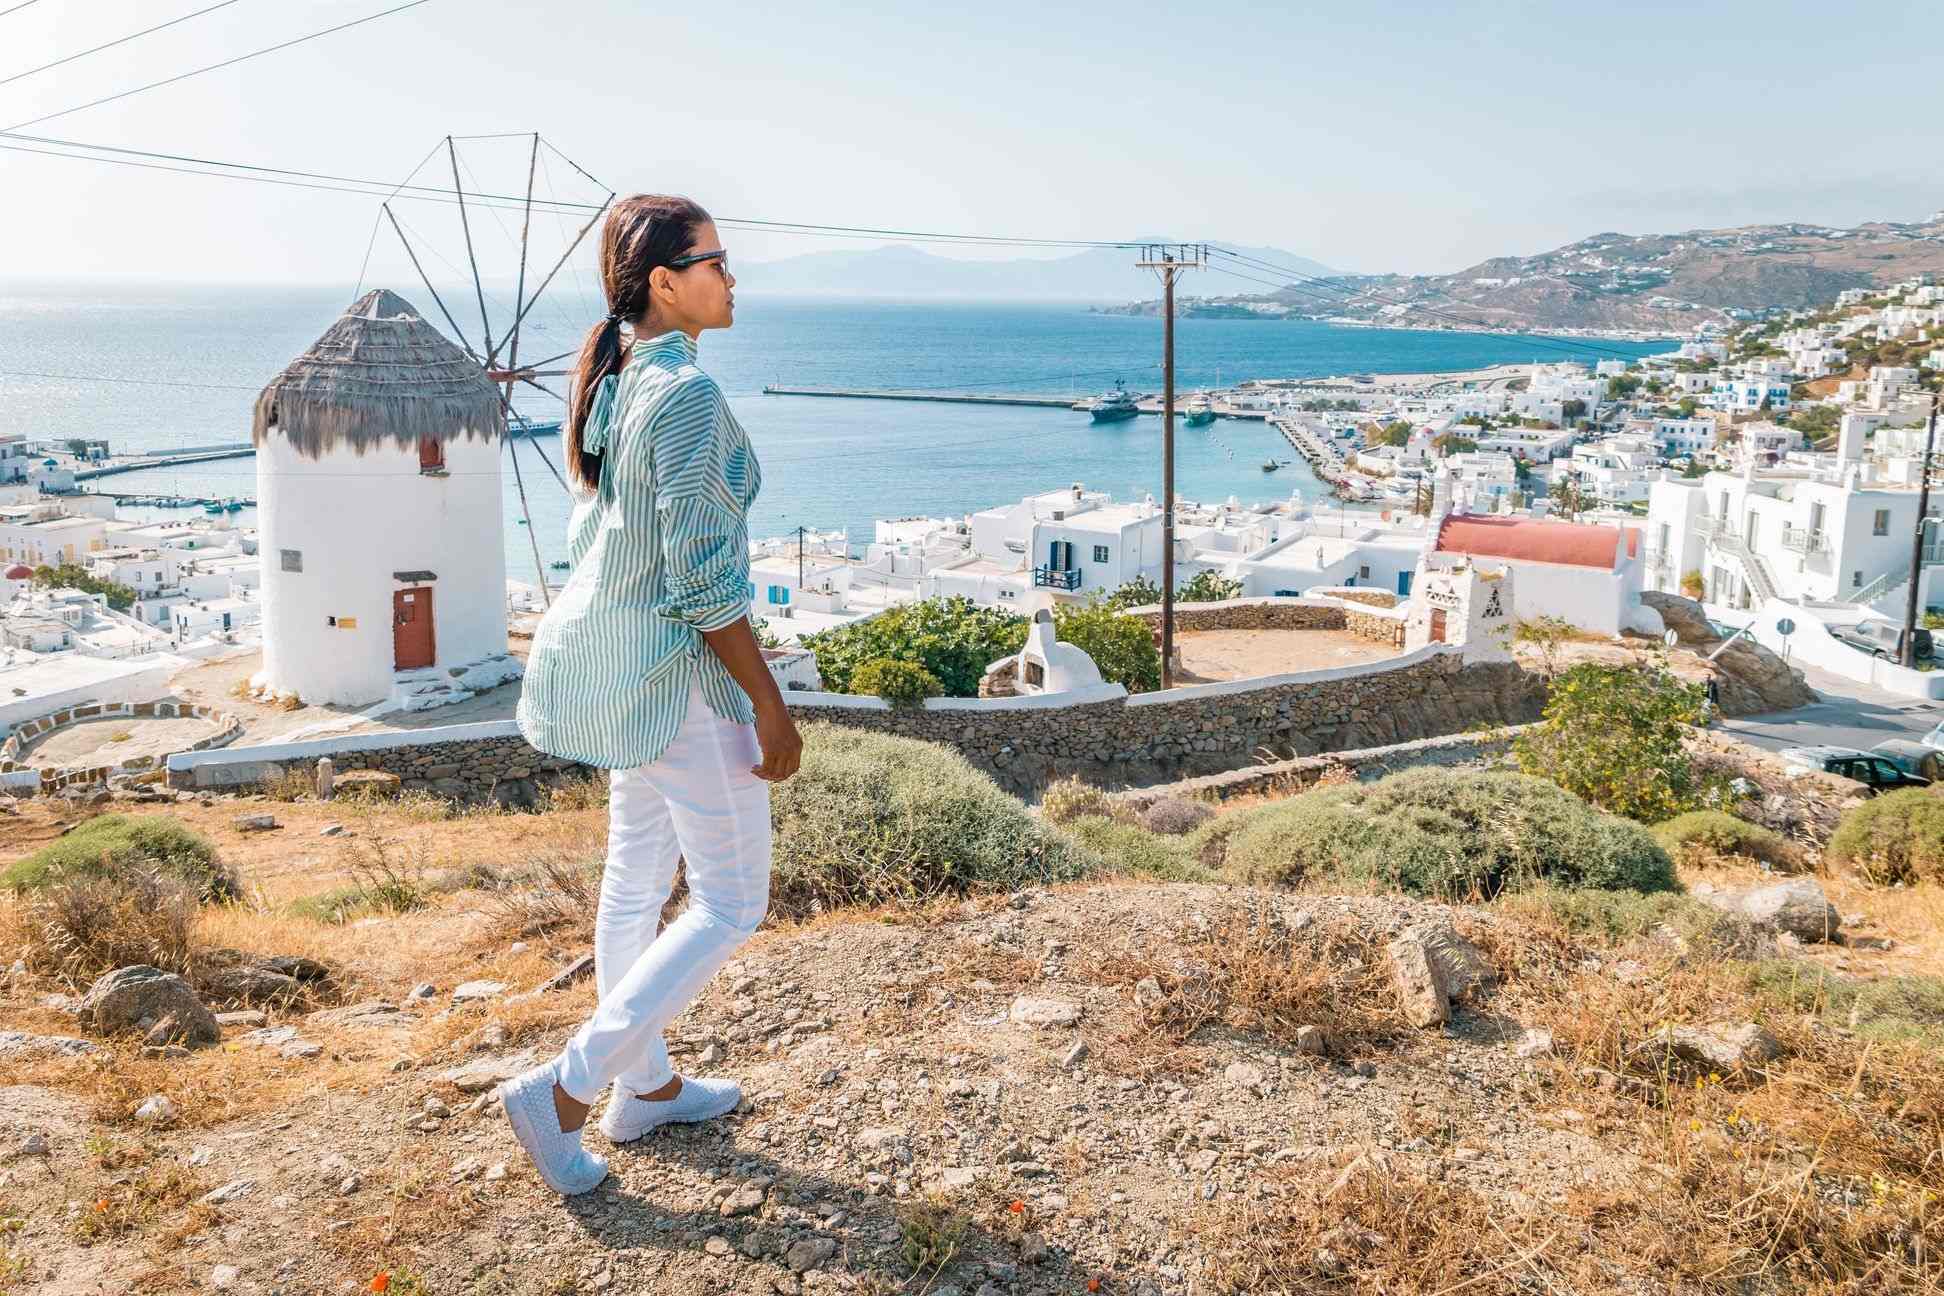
{"x": 628, "y": 1117}
{"x": 564, "y": 1165}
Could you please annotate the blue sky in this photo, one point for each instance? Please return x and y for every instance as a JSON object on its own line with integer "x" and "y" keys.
{"x": 1370, "y": 135}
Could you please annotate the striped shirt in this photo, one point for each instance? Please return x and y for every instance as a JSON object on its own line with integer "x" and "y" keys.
{"x": 660, "y": 553}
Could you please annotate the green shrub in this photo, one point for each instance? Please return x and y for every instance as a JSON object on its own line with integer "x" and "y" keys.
{"x": 1070, "y": 798}
{"x": 953, "y": 638}
{"x": 116, "y": 847}
{"x": 900, "y": 683}
{"x": 1614, "y": 737}
{"x": 1897, "y": 837}
{"x": 1451, "y": 834}
{"x": 1122, "y": 646}
{"x": 1721, "y": 833}
{"x": 872, "y": 819}
{"x": 1209, "y": 587}
{"x": 1174, "y": 816}
{"x": 1139, "y": 592}
{"x": 1902, "y": 1008}
{"x": 1131, "y": 849}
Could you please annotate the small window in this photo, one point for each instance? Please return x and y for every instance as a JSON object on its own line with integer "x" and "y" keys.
{"x": 293, "y": 559}
{"x": 1856, "y": 580}
{"x": 431, "y": 454}
{"x": 779, "y": 594}
{"x": 1881, "y": 524}
{"x": 1363, "y": 573}
{"x": 1100, "y": 553}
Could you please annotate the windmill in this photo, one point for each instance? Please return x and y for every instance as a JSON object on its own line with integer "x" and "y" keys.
{"x": 500, "y": 341}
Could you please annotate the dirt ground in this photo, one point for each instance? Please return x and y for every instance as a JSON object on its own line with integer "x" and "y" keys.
{"x": 216, "y": 683}
{"x": 92, "y": 742}
{"x": 1210, "y": 655}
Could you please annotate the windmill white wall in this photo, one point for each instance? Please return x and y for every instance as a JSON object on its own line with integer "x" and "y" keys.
{"x": 343, "y": 532}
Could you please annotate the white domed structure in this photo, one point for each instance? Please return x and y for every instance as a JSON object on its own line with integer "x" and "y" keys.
{"x": 378, "y": 488}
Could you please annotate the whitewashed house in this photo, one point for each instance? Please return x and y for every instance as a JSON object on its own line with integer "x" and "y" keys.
{"x": 378, "y": 481}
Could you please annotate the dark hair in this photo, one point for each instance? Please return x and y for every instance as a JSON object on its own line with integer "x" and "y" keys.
{"x": 642, "y": 234}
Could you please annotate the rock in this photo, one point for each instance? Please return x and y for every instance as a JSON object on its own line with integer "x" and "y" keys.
{"x": 478, "y": 991}
{"x": 121, "y": 1000}
{"x": 1032, "y": 1248}
{"x": 369, "y": 1014}
{"x": 34, "y": 1145}
{"x": 1074, "y": 1056}
{"x": 1147, "y": 992}
{"x": 808, "y": 1254}
{"x": 334, "y": 1169}
{"x": 424, "y": 990}
{"x": 224, "y": 1275}
{"x": 1721, "y": 1046}
{"x": 718, "y": 1247}
{"x": 1797, "y": 907}
{"x": 1432, "y": 966}
{"x": 250, "y": 985}
{"x": 580, "y": 969}
{"x": 363, "y": 782}
{"x": 256, "y": 822}
{"x": 495, "y": 1172}
{"x": 297, "y": 966}
{"x": 156, "y": 1110}
{"x": 16, "y": 1045}
{"x": 741, "y": 1202}
{"x": 960, "y": 1176}
{"x": 229, "y": 1192}
{"x": 244, "y": 1018}
{"x": 434, "y": 1107}
{"x": 1243, "y": 1075}
{"x": 1535, "y": 1043}
{"x": 486, "y": 1073}
{"x": 330, "y": 830}
{"x": 1309, "y": 1041}
{"x": 1028, "y": 1011}
{"x": 711, "y": 1055}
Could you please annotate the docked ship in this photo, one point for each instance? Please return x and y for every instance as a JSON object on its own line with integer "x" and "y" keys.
{"x": 1198, "y": 412}
{"x": 1113, "y": 406}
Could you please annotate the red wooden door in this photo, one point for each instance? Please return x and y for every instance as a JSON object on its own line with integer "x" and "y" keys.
{"x": 1437, "y": 625}
{"x": 412, "y": 647}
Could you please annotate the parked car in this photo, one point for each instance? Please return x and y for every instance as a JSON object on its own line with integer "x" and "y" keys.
{"x": 1916, "y": 758}
{"x": 1883, "y": 639}
{"x": 1935, "y": 738}
{"x": 1877, "y": 772}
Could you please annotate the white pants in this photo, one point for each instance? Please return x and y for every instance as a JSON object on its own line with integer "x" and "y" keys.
{"x": 700, "y": 804}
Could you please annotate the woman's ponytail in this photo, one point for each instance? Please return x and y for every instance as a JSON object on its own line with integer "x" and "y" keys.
{"x": 642, "y": 233}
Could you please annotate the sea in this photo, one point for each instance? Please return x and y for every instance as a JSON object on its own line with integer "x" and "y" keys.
{"x": 152, "y": 367}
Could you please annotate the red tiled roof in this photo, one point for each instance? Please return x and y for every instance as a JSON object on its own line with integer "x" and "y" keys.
{"x": 1534, "y": 540}
{"x": 20, "y": 572}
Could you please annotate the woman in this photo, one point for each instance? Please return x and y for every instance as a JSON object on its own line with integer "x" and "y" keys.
{"x": 646, "y": 665}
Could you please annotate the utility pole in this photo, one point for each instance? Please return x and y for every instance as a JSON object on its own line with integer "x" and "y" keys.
{"x": 1909, "y": 654}
{"x": 1169, "y": 260}
{"x": 799, "y": 557}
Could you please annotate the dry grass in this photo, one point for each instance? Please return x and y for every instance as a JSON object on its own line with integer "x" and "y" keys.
{"x": 71, "y": 932}
{"x": 293, "y": 783}
{"x": 138, "y": 1203}
{"x": 409, "y": 1201}
{"x": 557, "y": 896}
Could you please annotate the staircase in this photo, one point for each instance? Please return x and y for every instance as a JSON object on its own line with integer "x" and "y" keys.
{"x": 421, "y": 690}
{"x": 1760, "y": 579}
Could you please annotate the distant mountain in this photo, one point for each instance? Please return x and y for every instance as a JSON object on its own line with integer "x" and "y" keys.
{"x": 1646, "y": 282}
{"x": 900, "y": 270}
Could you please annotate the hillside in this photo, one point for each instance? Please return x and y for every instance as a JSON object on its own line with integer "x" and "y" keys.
{"x": 899, "y": 270}
{"x": 1648, "y": 282}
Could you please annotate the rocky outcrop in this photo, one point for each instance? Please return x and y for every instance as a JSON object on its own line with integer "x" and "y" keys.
{"x": 1432, "y": 967}
{"x": 146, "y": 999}
{"x": 1751, "y": 679}
{"x": 1721, "y": 1046}
{"x": 1797, "y": 907}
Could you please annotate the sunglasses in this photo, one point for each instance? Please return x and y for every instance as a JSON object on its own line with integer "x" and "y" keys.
{"x": 720, "y": 256}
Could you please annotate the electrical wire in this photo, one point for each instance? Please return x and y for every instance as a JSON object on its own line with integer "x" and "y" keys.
{"x": 120, "y": 40}
{"x": 141, "y": 382}
{"x": 17, "y": 8}
{"x": 229, "y": 62}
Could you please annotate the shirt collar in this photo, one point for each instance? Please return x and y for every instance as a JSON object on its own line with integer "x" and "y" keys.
{"x": 672, "y": 345}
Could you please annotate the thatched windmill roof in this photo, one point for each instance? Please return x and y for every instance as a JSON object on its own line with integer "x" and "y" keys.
{"x": 380, "y": 373}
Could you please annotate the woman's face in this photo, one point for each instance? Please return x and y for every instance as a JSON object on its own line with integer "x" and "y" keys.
{"x": 699, "y": 295}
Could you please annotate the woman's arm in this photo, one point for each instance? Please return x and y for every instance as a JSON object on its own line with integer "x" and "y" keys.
{"x": 776, "y": 732}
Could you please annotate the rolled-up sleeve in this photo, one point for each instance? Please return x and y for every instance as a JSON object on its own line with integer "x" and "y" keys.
{"x": 705, "y": 546}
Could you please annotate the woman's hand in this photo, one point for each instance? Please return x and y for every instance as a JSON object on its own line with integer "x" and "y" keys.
{"x": 776, "y": 734}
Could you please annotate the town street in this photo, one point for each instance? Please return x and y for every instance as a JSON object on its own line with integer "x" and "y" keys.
{"x": 1850, "y": 715}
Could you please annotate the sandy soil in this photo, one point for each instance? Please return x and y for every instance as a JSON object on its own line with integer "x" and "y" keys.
{"x": 216, "y": 684}
{"x": 92, "y": 742}
{"x": 1210, "y": 655}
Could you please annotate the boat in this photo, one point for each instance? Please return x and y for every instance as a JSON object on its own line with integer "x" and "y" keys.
{"x": 559, "y": 564}
{"x": 1113, "y": 406}
{"x": 530, "y": 428}
{"x": 1198, "y": 412}
{"x": 213, "y": 509}
{"x": 1270, "y": 465}
{"x": 232, "y": 507}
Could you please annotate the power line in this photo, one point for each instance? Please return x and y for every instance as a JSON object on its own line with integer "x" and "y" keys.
{"x": 140, "y": 382}
{"x": 17, "y": 8}
{"x": 229, "y": 62}
{"x": 120, "y": 40}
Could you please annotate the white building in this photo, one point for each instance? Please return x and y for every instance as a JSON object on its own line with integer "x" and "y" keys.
{"x": 48, "y": 535}
{"x": 378, "y": 481}
{"x": 1747, "y": 395}
{"x": 1618, "y": 470}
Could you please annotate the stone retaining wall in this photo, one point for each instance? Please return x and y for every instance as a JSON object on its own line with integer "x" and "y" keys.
{"x": 1250, "y": 614}
{"x": 1209, "y": 728}
{"x": 1099, "y": 734}
{"x": 227, "y": 729}
{"x": 1367, "y": 764}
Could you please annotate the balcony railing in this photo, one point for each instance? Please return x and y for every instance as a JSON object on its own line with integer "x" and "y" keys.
{"x": 1709, "y": 526}
{"x": 1055, "y": 578}
{"x": 1805, "y": 540}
